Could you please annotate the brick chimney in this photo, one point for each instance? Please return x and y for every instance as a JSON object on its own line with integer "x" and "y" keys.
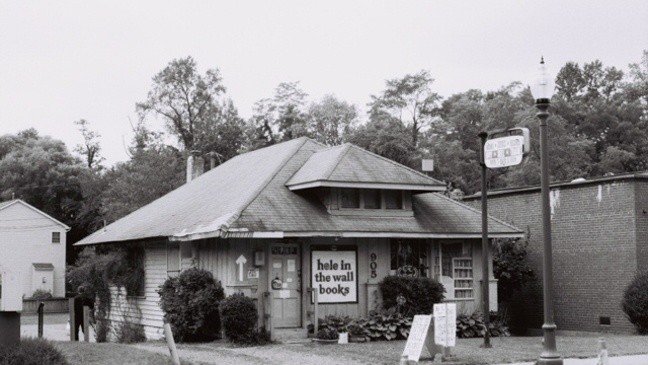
{"x": 195, "y": 165}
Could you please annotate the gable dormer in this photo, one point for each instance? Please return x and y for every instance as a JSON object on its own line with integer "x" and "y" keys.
{"x": 353, "y": 181}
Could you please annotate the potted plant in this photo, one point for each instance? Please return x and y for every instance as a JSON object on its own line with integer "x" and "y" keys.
{"x": 327, "y": 336}
{"x": 356, "y": 333}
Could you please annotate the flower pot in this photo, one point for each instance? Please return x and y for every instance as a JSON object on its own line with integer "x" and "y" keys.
{"x": 357, "y": 339}
{"x": 325, "y": 342}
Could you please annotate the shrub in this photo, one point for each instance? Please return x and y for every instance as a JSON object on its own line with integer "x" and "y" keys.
{"x": 473, "y": 326}
{"x": 40, "y": 294}
{"x": 328, "y": 334}
{"x": 190, "y": 303}
{"x": 518, "y": 288}
{"x": 417, "y": 295}
{"x": 386, "y": 326}
{"x": 127, "y": 332}
{"x": 32, "y": 351}
{"x": 240, "y": 319}
{"x": 635, "y": 302}
{"x": 337, "y": 323}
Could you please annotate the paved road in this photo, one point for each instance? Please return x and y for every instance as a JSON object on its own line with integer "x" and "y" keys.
{"x": 55, "y": 327}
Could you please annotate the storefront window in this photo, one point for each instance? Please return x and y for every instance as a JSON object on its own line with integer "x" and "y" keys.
{"x": 456, "y": 262}
{"x": 173, "y": 259}
{"x": 409, "y": 257}
{"x": 371, "y": 198}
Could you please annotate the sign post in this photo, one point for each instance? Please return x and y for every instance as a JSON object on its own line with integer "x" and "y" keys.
{"x": 507, "y": 150}
{"x": 10, "y": 308}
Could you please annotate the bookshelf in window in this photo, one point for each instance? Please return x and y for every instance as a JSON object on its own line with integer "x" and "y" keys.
{"x": 462, "y": 272}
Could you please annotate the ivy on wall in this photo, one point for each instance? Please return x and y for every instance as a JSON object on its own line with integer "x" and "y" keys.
{"x": 99, "y": 268}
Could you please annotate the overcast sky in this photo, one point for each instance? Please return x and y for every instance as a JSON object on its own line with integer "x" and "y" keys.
{"x": 61, "y": 61}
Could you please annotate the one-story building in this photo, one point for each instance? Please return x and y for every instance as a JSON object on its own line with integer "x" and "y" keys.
{"x": 600, "y": 241}
{"x": 32, "y": 246}
{"x": 274, "y": 222}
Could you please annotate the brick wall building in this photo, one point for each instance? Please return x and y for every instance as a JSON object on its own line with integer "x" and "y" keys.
{"x": 600, "y": 241}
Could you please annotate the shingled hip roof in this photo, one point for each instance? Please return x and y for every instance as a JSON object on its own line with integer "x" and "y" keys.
{"x": 350, "y": 166}
{"x": 249, "y": 196}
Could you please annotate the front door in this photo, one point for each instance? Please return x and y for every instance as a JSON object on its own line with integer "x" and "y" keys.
{"x": 285, "y": 285}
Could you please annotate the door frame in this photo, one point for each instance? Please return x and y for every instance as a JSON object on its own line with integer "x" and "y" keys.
{"x": 300, "y": 275}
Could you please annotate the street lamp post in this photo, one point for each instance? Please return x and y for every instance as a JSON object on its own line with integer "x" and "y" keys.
{"x": 542, "y": 91}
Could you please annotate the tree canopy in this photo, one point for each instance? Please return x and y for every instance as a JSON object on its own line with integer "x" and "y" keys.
{"x": 598, "y": 125}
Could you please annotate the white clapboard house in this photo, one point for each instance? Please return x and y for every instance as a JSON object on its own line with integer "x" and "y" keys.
{"x": 277, "y": 221}
{"x": 32, "y": 247}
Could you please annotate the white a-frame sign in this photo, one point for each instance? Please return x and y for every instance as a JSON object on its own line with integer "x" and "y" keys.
{"x": 437, "y": 336}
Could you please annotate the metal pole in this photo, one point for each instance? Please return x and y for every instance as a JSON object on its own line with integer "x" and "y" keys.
{"x": 549, "y": 354}
{"x": 40, "y": 311}
{"x": 485, "y": 249}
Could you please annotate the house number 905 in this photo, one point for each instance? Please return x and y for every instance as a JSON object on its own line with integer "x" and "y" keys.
{"x": 373, "y": 265}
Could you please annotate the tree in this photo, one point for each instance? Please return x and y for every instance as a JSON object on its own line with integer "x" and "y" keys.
{"x": 185, "y": 99}
{"x": 388, "y": 138}
{"x": 90, "y": 148}
{"x": 331, "y": 120}
{"x": 410, "y": 100}
{"x": 570, "y": 81}
{"x": 42, "y": 172}
{"x": 281, "y": 117}
{"x": 153, "y": 170}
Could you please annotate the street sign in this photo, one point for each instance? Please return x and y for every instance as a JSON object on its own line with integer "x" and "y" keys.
{"x": 504, "y": 151}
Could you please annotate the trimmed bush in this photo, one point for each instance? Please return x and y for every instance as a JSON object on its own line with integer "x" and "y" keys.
{"x": 239, "y": 314}
{"x": 635, "y": 302}
{"x": 190, "y": 303}
{"x": 32, "y": 351}
{"x": 411, "y": 295}
{"x": 40, "y": 294}
{"x": 127, "y": 332}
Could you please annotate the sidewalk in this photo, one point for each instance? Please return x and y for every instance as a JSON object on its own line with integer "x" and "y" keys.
{"x": 613, "y": 360}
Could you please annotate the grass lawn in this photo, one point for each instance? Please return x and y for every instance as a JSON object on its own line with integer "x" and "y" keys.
{"x": 509, "y": 349}
{"x": 109, "y": 353}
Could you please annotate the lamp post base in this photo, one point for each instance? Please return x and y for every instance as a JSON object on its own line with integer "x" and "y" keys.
{"x": 550, "y": 361}
{"x": 549, "y": 355}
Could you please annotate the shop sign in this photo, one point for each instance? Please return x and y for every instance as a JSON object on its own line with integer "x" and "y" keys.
{"x": 445, "y": 324}
{"x": 420, "y": 335}
{"x": 334, "y": 275}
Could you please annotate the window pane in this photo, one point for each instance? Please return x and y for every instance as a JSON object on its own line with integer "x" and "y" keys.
{"x": 350, "y": 198}
{"x": 173, "y": 257}
{"x": 409, "y": 257}
{"x": 56, "y": 237}
{"x": 371, "y": 198}
{"x": 393, "y": 199}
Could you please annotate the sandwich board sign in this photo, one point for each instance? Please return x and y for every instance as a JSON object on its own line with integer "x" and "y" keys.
{"x": 421, "y": 333}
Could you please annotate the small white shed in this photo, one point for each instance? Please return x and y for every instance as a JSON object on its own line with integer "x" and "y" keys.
{"x": 32, "y": 244}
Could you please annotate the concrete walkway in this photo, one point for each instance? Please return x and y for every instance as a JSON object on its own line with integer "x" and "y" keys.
{"x": 613, "y": 360}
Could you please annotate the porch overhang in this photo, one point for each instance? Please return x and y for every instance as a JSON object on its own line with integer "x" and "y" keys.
{"x": 285, "y": 234}
{"x": 423, "y": 188}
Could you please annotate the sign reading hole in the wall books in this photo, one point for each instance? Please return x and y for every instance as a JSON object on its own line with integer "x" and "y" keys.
{"x": 334, "y": 274}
